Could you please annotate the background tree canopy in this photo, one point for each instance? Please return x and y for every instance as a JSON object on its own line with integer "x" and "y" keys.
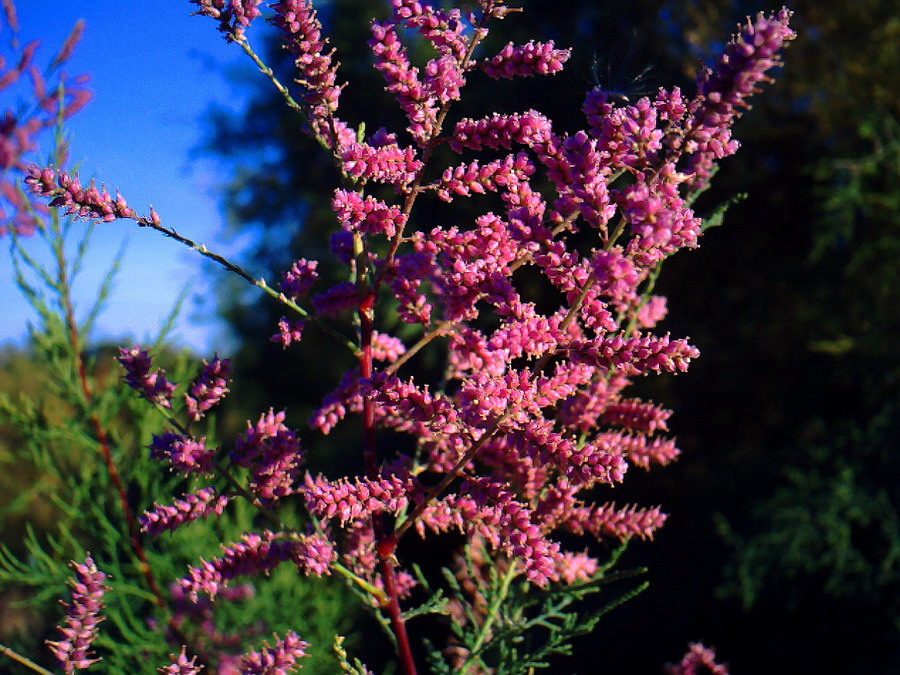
{"x": 783, "y": 548}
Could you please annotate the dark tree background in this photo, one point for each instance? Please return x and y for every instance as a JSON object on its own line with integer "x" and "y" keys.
{"x": 783, "y": 546}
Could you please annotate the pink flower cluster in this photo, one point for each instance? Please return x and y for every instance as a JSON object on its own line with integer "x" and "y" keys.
{"x": 88, "y": 203}
{"x": 73, "y": 650}
{"x": 153, "y": 386}
{"x": 190, "y": 507}
{"x": 272, "y": 452}
{"x": 208, "y": 388}
{"x": 279, "y": 658}
{"x": 259, "y": 554}
{"x": 183, "y": 453}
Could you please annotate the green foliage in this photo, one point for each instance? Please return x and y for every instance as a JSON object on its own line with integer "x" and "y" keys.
{"x": 60, "y": 500}
{"x": 833, "y": 521}
{"x": 501, "y": 624}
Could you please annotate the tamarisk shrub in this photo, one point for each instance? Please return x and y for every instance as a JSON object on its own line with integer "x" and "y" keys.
{"x": 531, "y": 420}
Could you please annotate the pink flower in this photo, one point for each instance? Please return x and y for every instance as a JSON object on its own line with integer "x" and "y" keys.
{"x": 181, "y": 665}
{"x": 288, "y": 332}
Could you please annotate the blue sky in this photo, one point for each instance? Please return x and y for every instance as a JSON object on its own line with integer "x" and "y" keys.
{"x": 155, "y": 71}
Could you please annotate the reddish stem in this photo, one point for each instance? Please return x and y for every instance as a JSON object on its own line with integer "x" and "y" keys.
{"x": 384, "y": 545}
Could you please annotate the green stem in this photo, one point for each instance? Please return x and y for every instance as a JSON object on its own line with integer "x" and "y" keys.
{"x": 28, "y": 663}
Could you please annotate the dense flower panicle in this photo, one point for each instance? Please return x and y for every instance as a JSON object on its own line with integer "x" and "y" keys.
{"x": 190, "y": 507}
{"x": 698, "y": 660}
{"x": 256, "y": 554}
{"x": 607, "y": 520}
{"x": 87, "y": 203}
{"x": 361, "y": 498}
{"x": 234, "y": 16}
{"x": 532, "y": 58}
{"x": 474, "y": 177}
{"x": 389, "y": 164}
{"x": 184, "y": 453}
{"x": 73, "y": 650}
{"x": 636, "y": 355}
{"x": 366, "y": 215}
{"x": 278, "y": 659}
{"x": 288, "y": 332}
{"x": 303, "y": 38}
{"x": 637, "y": 415}
{"x": 181, "y": 665}
{"x": 208, "y": 388}
{"x": 530, "y": 412}
{"x": 298, "y": 280}
{"x": 530, "y": 129}
{"x": 640, "y": 450}
{"x": 151, "y": 385}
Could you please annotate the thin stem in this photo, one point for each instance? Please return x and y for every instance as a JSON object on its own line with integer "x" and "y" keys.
{"x": 398, "y": 625}
{"x": 25, "y": 661}
{"x": 442, "y": 329}
{"x": 241, "y": 272}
